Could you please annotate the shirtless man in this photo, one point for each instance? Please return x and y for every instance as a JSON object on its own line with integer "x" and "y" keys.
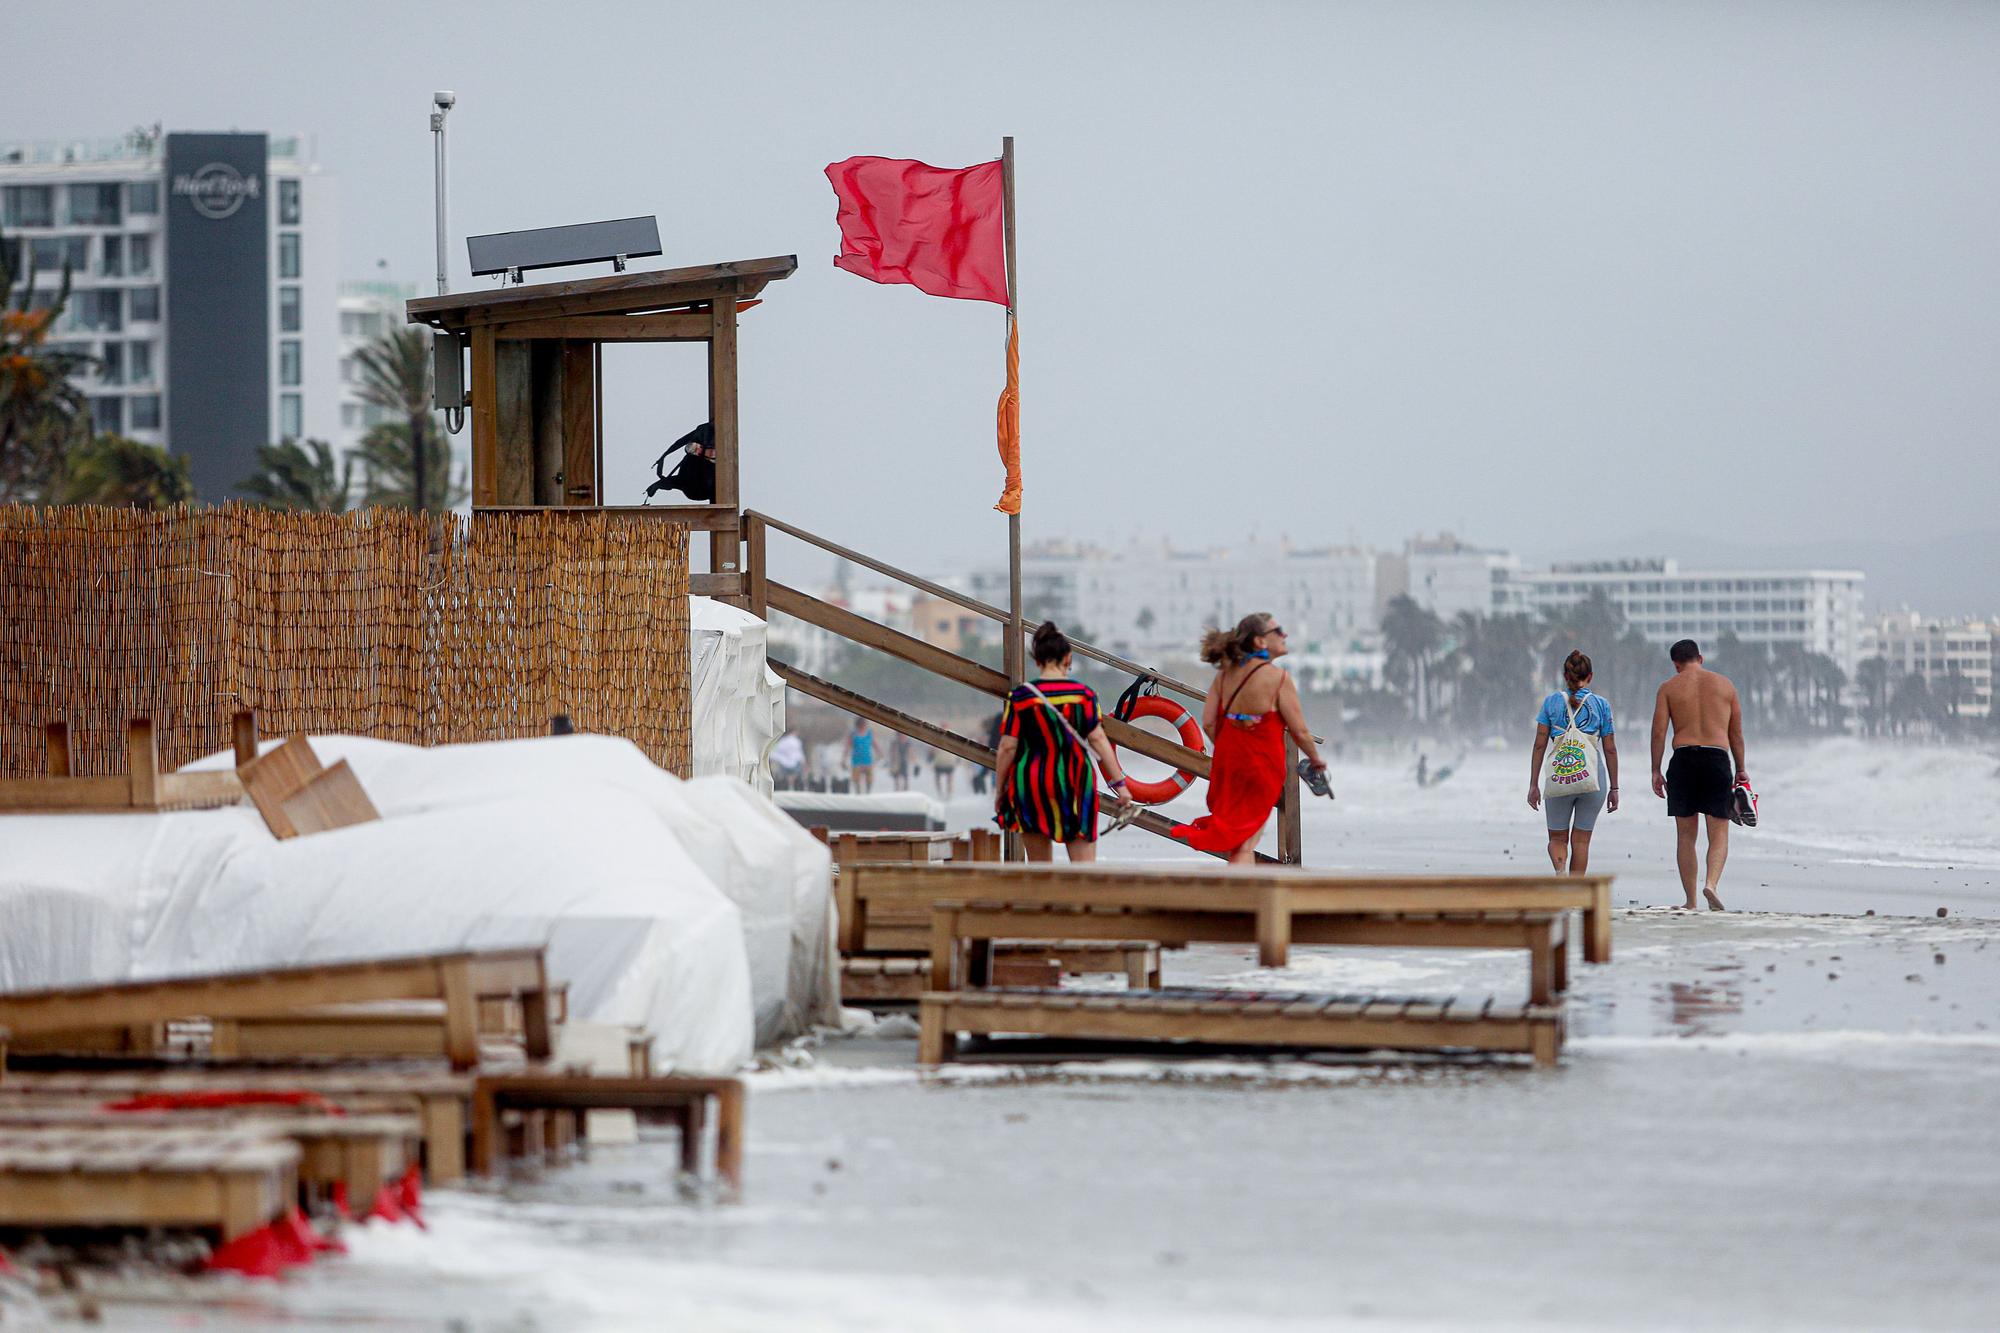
{"x": 1707, "y": 720}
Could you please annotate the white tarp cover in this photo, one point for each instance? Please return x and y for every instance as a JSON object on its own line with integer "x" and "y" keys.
{"x": 739, "y": 705}
{"x": 657, "y": 907}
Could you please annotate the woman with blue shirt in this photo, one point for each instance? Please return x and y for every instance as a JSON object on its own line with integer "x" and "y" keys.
{"x": 1572, "y": 818}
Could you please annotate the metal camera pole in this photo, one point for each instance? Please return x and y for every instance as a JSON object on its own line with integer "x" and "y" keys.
{"x": 442, "y": 102}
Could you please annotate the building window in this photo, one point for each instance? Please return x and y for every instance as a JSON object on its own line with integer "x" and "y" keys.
{"x": 99, "y": 310}
{"x": 142, "y": 197}
{"x": 139, "y": 362}
{"x": 146, "y": 412}
{"x": 288, "y": 203}
{"x": 94, "y": 206}
{"x": 288, "y": 254}
{"x": 139, "y": 256}
{"x": 145, "y": 305}
{"x": 111, "y": 364}
{"x": 31, "y": 206}
{"x": 288, "y": 362}
{"x": 112, "y": 257}
{"x": 350, "y": 416}
{"x": 289, "y": 319}
{"x": 347, "y": 370}
{"x": 291, "y": 416}
{"x": 107, "y": 415}
{"x": 52, "y": 253}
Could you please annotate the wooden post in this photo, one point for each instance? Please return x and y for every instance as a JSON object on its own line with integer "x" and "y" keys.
{"x": 461, "y": 1014}
{"x": 723, "y": 555}
{"x": 485, "y": 418}
{"x": 1274, "y": 927}
{"x": 1291, "y": 845}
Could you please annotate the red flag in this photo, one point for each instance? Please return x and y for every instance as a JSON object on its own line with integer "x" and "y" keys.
{"x": 940, "y": 231}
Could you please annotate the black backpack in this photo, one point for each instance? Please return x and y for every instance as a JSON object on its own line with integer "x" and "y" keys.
{"x": 693, "y": 476}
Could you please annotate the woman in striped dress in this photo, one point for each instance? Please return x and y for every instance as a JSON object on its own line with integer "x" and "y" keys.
{"x": 1046, "y": 788}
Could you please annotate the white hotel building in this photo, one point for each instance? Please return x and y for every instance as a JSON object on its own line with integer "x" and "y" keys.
{"x": 204, "y": 271}
{"x": 1937, "y": 651}
{"x": 1818, "y": 609}
{"x": 1152, "y": 602}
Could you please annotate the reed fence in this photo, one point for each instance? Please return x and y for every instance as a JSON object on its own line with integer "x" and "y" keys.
{"x": 427, "y": 629}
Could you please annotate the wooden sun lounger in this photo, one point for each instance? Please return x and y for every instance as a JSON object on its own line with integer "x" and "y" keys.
{"x": 460, "y": 980}
{"x": 1241, "y": 1018}
{"x": 438, "y": 1099}
{"x": 684, "y": 1100}
{"x": 231, "y": 1179}
{"x": 360, "y": 1152}
{"x": 1279, "y": 898}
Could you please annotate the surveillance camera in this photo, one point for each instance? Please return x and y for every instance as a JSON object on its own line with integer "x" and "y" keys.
{"x": 447, "y": 100}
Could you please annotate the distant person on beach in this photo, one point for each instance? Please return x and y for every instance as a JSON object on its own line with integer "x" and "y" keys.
{"x": 861, "y": 756}
{"x": 1707, "y": 721}
{"x": 899, "y": 761}
{"x": 788, "y": 761}
{"x": 944, "y": 772}
{"x": 1048, "y": 730}
{"x": 1251, "y": 705}
{"x": 981, "y": 774}
{"x": 1572, "y": 819}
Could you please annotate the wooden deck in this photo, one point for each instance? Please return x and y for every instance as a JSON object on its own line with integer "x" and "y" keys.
{"x": 1282, "y": 901}
{"x": 1242, "y": 1018}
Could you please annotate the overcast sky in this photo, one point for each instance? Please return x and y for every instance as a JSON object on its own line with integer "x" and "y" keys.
{"x": 1562, "y": 277}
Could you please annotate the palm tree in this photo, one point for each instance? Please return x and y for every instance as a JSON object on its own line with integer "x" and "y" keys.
{"x": 300, "y": 477}
{"x": 1872, "y": 676}
{"x": 1411, "y": 635}
{"x": 112, "y": 470}
{"x": 42, "y": 414}
{"x": 396, "y": 374}
{"x": 387, "y": 468}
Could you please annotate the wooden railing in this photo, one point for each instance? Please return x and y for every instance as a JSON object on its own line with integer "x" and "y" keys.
{"x": 762, "y": 595}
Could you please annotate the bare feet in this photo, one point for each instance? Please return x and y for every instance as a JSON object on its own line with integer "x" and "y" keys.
{"x": 1714, "y": 903}
{"x": 1688, "y": 906}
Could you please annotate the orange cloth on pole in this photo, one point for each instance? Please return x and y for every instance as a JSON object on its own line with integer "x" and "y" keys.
{"x": 1010, "y": 423}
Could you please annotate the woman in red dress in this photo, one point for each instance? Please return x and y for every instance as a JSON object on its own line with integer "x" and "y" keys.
{"x": 1251, "y": 704}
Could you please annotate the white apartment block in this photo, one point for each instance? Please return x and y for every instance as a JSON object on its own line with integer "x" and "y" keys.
{"x": 1152, "y": 602}
{"x": 1819, "y": 610}
{"x": 1448, "y": 578}
{"x": 1937, "y": 651}
{"x": 203, "y": 273}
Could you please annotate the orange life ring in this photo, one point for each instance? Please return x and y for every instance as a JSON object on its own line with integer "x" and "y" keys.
{"x": 1154, "y": 705}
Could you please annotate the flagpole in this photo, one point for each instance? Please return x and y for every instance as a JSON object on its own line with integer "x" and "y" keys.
{"x": 1016, "y": 666}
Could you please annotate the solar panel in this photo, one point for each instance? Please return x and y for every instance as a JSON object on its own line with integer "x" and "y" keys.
{"x": 554, "y": 247}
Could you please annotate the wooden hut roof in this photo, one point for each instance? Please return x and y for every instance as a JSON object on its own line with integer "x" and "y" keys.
{"x": 619, "y": 294}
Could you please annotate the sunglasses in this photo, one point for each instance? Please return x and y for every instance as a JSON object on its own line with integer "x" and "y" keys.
{"x": 1275, "y": 629}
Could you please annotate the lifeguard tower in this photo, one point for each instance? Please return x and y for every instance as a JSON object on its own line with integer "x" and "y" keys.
{"x": 535, "y": 394}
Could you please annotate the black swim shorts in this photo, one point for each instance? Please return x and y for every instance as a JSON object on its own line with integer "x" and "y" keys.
{"x": 1699, "y": 779}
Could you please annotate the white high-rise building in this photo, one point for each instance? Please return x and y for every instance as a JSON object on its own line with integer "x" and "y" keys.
{"x": 1819, "y": 609}
{"x": 203, "y": 273}
{"x": 1953, "y": 657}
